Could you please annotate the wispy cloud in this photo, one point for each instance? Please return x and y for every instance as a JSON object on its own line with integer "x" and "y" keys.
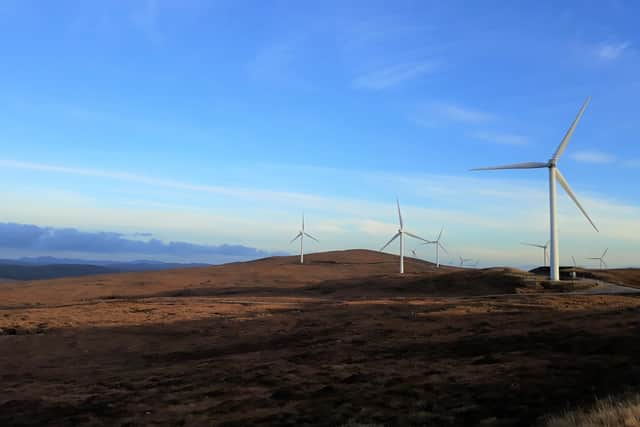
{"x": 611, "y": 51}
{"x": 593, "y": 156}
{"x": 461, "y": 114}
{"x": 159, "y": 182}
{"x": 394, "y": 75}
{"x": 631, "y": 163}
{"x": 501, "y": 138}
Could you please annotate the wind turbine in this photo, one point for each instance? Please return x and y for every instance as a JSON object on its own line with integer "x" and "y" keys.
{"x": 544, "y": 247}
{"x": 439, "y": 245}
{"x": 401, "y": 232}
{"x": 601, "y": 259}
{"x": 300, "y": 236}
{"x": 554, "y": 175}
{"x": 463, "y": 260}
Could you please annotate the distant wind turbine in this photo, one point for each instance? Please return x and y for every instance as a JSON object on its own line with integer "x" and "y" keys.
{"x": 438, "y": 244}
{"x": 300, "y": 236}
{"x": 554, "y": 174}
{"x": 601, "y": 259}
{"x": 464, "y": 260}
{"x": 544, "y": 247}
{"x": 413, "y": 252}
{"x": 401, "y": 232}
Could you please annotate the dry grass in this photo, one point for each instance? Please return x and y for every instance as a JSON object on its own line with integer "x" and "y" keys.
{"x": 608, "y": 412}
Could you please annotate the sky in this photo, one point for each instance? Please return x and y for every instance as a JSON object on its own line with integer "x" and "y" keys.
{"x": 219, "y": 122}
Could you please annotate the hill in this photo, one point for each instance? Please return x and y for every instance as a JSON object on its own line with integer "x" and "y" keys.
{"x": 40, "y": 268}
{"x": 351, "y": 273}
{"x": 39, "y": 272}
{"x": 341, "y": 340}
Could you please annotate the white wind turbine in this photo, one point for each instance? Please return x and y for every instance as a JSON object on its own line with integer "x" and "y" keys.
{"x": 300, "y": 236}
{"x": 439, "y": 245}
{"x": 401, "y": 232}
{"x": 554, "y": 174}
{"x": 601, "y": 259}
{"x": 544, "y": 247}
{"x": 464, "y": 260}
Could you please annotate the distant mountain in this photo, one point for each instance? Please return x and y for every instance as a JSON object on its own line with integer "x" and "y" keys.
{"x": 38, "y": 272}
{"x": 36, "y": 268}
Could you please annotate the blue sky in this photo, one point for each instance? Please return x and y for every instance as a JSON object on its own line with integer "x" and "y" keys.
{"x": 219, "y": 122}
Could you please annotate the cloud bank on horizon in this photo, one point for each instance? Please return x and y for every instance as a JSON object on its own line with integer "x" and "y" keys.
{"x": 215, "y": 123}
{"x": 31, "y": 240}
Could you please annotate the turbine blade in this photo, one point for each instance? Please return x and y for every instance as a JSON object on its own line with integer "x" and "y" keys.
{"x": 604, "y": 263}
{"x": 302, "y": 221}
{"x": 440, "y": 235}
{"x": 296, "y": 238}
{"x": 592, "y": 258}
{"x": 311, "y": 237}
{"x": 605, "y": 252}
{"x": 527, "y": 165}
{"x": 443, "y": 248}
{"x": 532, "y": 244}
{"x": 563, "y": 182}
{"x": 395, "y": 236}
{"x": 417, "y": 237}
{"x": 567, "y": 136}
{"x": 399, "y": 213}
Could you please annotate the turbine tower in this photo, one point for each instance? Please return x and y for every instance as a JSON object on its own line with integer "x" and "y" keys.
{"x": 438, "y": 243}
{"x": 300, "y": 236}
{"x": 544, "y": 247}
{"x": 401, "y": 232}
{"x": 554, "y": 175}
{"x": 601, "y": 259}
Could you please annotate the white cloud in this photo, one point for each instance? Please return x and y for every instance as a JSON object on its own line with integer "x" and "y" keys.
{"x": 458, "y": 113}
{"x": 394, "y": 75}
{"x": 501, "y": 138}
{"x": 593, "y": 156}
{"x": 611, "y": 51}
{"x": 159, "y": 182}
{"x": 631, "y": 163}
{"x": 487, "y": 212}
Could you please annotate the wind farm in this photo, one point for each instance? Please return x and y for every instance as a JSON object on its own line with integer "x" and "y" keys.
{"x": 201, "y": 222}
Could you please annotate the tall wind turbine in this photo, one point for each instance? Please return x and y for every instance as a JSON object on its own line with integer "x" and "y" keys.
{"x": 601, "y": 259}
{"x": 401, "y": 232}
{"x": 300, "y": 236}
{"x": 554, "y": 175}
{"x": 544, "y": 247}
{"x": 438, "y": 243}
